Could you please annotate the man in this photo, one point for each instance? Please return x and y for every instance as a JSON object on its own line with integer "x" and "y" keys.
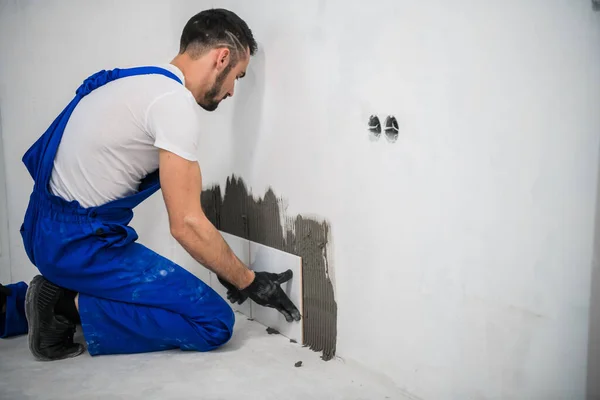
{"x": 126, "y": 134}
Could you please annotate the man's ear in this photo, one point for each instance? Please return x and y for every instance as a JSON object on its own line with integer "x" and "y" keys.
{"x": 223, "y": 58}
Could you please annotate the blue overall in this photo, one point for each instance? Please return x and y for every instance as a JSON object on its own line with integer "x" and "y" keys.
{"x": 131, "y": 300}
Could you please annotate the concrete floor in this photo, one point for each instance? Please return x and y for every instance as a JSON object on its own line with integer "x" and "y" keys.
{"x": 253, "y": 365}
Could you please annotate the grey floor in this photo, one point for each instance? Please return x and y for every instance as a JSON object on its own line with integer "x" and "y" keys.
{"x": 252, "y": 366}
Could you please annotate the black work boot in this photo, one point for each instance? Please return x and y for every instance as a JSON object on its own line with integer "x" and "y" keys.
{"x": 50, "y": 334}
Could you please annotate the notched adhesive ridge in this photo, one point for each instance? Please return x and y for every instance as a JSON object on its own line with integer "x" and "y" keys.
{"x": 259, "y": 220}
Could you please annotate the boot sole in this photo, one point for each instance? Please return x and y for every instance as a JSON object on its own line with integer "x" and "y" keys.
{"x": 33, "y": 322}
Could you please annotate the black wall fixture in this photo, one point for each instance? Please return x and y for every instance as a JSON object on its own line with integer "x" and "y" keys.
{"x": 391, "y": 128}
{"x": 374, "y": 125}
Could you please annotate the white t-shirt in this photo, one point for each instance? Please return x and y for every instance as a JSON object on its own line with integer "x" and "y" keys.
{"x": 112, "y": 139}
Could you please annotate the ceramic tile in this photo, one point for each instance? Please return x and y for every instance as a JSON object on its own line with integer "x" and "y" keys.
{"x": 240, "y": 248}
{"x": 264, "y": 258}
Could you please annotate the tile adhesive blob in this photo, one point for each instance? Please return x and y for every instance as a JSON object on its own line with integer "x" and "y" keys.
{"x": 259, "y": 220}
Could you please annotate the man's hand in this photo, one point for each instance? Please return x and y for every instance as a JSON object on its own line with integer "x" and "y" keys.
{"x": 266, "y": 291}
{"x": 233, "y": 294}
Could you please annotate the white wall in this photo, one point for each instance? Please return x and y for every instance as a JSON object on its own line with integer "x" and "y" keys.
{"x": 593, "y": 376}
{"x": 5, "y": 272}
{"x": 463, "y": 251}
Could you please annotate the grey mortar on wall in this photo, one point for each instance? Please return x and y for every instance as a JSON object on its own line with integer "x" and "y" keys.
{"x": 239, "y": 213}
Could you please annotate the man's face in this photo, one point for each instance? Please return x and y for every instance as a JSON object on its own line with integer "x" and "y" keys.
{"x": 223, "y": 84}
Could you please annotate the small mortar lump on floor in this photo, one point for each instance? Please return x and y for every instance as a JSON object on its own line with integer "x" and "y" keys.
{"x": 253, "y": 365}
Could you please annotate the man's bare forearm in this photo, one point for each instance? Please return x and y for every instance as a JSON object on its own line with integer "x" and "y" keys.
{"x": 203, "y": 241}
{"x": 181, "y": 183}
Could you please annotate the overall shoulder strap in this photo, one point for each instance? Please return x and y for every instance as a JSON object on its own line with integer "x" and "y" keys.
{"x": 101, "y": 78}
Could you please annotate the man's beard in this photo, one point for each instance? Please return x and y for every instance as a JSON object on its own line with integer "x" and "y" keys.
{"x": 211, "y": 102}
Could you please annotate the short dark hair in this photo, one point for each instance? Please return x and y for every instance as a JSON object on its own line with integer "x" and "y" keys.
{"x": 214, "y": 28}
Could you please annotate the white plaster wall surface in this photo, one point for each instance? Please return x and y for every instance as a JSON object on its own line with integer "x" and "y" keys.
{"x": 463, "y": 251}
{"x": 593, "y": 376}
{"x": 5, "y": 272}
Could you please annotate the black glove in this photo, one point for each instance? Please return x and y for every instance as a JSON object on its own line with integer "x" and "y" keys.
{"x": 234, "y": 295}
{"x": 266, "y": 291}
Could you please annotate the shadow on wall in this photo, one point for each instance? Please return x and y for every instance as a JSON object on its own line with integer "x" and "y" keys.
{"x": 260, "y": 220}
{"x": 593, "y": 364}
{"x": 248, "y": 112}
